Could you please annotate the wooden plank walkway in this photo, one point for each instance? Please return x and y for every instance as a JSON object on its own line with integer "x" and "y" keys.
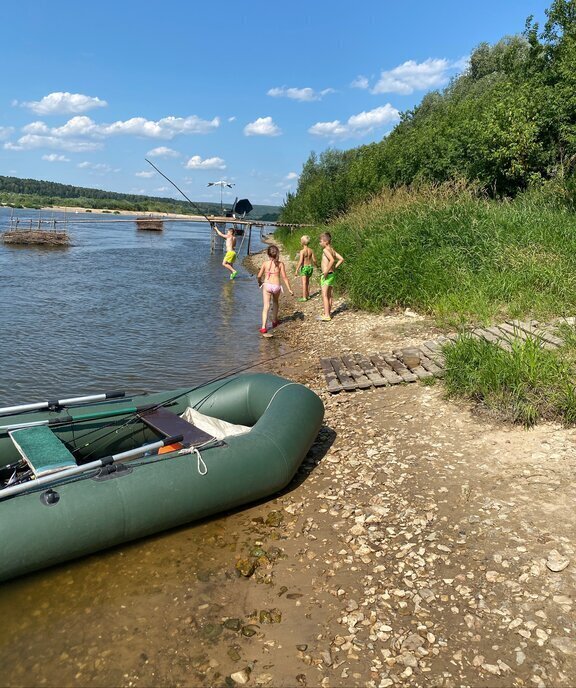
{"x": 349, "y": 372}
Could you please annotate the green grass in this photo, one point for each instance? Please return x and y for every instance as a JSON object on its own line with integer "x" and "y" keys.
{"x": 523, "y": 386}
{"x": 458, "y": 257}
{"x": 466, "y": 260}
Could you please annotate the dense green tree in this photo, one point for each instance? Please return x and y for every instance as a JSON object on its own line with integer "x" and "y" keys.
{"x": 507, "y": 122}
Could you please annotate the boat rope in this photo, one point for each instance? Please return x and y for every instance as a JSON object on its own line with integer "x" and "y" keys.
{"x": 202, "y": 467}
{"x": 288, "y": 384}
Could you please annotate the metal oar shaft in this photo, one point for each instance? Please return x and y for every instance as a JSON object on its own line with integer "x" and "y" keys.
{"x": 62, "y": 402}
{"x": 75, "y": 470}
{"x": 66, "y": 420}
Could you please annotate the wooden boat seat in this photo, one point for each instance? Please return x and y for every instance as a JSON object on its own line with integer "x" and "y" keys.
{"x": 42, "y": 450}
{"x": 168, "y": 424}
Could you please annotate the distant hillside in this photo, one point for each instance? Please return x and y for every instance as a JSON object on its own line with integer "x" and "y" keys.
{"x": 33, "y": 193}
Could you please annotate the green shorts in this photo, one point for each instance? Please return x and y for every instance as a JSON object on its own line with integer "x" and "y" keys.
{"x": 306, "y": 271}
{"x": 327, "y": 281}
{"x": 230, "y": 257}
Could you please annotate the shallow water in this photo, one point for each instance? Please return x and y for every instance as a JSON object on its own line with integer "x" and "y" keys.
{"x": 141, "y": 311}
{"x": 121, "y": 309}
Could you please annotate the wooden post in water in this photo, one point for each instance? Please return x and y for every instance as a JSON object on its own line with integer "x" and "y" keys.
{"x": 249, "y": 239}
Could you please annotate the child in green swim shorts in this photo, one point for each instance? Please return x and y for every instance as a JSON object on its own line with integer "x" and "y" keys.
{"x": 305, "y": 267}
{"x": 330, "y": 261}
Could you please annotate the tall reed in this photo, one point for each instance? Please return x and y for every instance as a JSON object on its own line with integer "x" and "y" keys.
{"x": 460, "y": 257}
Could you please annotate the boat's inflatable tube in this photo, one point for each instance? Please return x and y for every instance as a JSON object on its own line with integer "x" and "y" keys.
{"x": 149, "y": 495}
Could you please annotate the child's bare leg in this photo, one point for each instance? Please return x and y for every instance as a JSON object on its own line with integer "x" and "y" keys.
{"x": 326, "y": 300}
{"x": 304, "y": 278}
{"x": 275, "y": 303}
{"x": 331, "y": 299}
{"x": 265, "y": 307}
{"x": 228, "y": 266}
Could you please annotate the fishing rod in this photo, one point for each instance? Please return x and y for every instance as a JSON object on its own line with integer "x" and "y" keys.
{"x": 179, "y": 189}
{"x": 134, "y": 413}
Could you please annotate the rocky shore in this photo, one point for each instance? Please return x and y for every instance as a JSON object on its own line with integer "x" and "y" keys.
{"x": 424, "y": 543}
{"x": 420, "y": 544}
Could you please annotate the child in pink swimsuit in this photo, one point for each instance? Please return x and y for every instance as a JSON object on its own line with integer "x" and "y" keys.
{"x": 269, "y": 279}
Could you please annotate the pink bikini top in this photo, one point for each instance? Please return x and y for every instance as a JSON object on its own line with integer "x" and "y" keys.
{"x": 269, "y": 271}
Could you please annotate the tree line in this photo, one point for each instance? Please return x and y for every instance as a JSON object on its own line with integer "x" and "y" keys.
{"x": 33, "y": 193}
{"x": 506, "y": 124}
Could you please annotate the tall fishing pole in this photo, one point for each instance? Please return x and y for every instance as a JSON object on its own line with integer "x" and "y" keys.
{"x": 133, "y": 416}
{"x": 180, "y": 190}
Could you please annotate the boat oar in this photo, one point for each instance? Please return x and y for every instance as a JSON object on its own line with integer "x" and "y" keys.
{"x": 99, "y": 463}
{"x": 61, "y": 403}
{"x": 79, "y": 417}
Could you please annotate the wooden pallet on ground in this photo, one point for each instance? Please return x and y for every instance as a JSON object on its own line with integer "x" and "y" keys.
{"x": 353, "y": 371}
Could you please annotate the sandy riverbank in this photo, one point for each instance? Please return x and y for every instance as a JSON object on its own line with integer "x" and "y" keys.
{"x": 132, "y": 213}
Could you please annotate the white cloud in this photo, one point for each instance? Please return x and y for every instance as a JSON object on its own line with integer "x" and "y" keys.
{"x": 303, "y": 94}
{"x": 357, "y": 125}
{"x": 68, "y": 136}
{"x": 162, "y": 152}
{"x": 413, "y": 76}
{"x": 99, "y": 167}
{"x": 263, "y": 126}
{"x": 360, "y": 82}
{"x": 54, "y": 157}
{"x": 287, "y": 182}
{"x": 196, "y": 163}
{"x": 6, "y": 132}
{"x": 165, "y": 128}
{"x": 232, "y": 119}
{"x": 32, "y": 141}
{"x": 145, "y": 174}
{"x": 60, "y": 103}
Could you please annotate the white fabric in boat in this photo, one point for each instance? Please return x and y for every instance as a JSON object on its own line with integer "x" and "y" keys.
{"x": 213, "y": 426}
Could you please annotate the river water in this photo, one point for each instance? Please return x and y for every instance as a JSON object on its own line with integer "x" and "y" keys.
{"x": 123, "y": 309}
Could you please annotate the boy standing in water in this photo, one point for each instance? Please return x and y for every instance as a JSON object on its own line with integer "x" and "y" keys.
{"x": 305, "y": 267}
{"x": 330, "y": 261}
{"x": 230, "y": 256}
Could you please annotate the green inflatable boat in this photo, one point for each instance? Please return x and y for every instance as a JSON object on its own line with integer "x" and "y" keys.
{"x": 83, "y": 474}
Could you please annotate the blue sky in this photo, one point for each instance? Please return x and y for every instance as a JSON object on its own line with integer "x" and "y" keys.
{"x": 211, "y": 91}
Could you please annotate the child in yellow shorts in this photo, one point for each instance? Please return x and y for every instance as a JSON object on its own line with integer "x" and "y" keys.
{"x": 230, "y": 255}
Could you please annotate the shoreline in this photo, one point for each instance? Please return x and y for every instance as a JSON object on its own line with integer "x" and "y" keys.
{"x": 433, "y": 543}
{"x": 104, "y": 211}
{"x": 419, "y": 544}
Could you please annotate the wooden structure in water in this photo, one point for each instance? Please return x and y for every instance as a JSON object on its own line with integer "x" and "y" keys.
{"x": 42, "y": 237}
{"x": 242, "y": 228}
{"x": 354, "y": 371}
{"x": 43, "y": 231}
{"x": 35, "y": 233}
{"x": 151, "y": 224}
